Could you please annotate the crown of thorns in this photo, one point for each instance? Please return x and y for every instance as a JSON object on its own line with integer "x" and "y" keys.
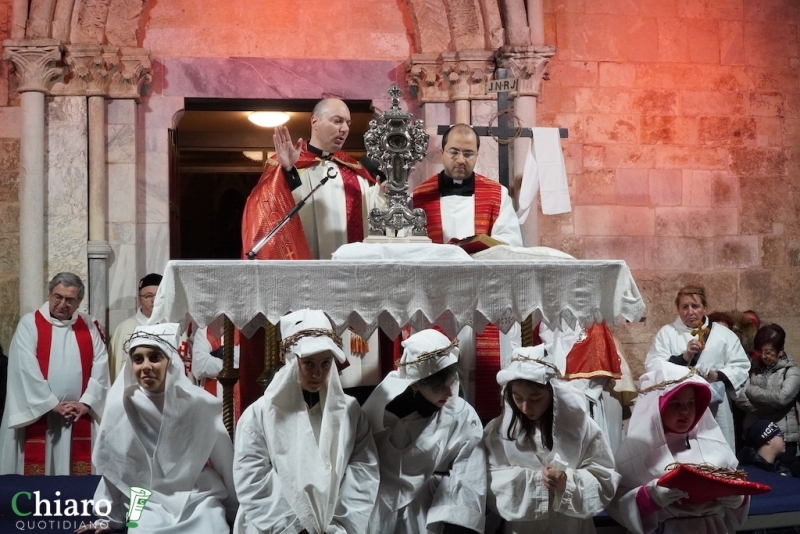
{"x": 309, "y": 332}
{"x": 522, "y": 358}
{"x": 147, "y": 335}
{"x": 667, "y": 383}
{"x": 431, "y": 354}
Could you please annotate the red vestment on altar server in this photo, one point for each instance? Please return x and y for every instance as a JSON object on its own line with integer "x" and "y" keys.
{"x": 488, "y": 197}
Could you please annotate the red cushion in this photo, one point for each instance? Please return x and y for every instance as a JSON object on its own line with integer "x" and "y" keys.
{"x": 704, "y": 487}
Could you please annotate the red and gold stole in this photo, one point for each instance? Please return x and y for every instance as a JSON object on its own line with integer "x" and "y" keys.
{"x": 36, "y": 433}
{"x": 488, "y": 196}
{"x": 350, "y": 171}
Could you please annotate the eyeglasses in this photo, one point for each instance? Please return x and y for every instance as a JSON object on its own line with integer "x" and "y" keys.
{"x": 770, "y": 353}
{"x": 148, "y": 296}
{"x": 71, "y": 301}
{"x": 455, "y": 153}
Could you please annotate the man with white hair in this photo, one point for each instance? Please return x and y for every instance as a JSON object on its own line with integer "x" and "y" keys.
{"x": 57, "y": 382}
{"x": 433, "y": 466}
{"x": 304, "y": 458}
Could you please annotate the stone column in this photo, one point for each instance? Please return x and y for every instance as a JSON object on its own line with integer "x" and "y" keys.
{"x": 529, "y": 65}
{"x": 92, "y": 66}
{"x": 35, "y": 64}
{"x": 424, "y": 72}
{"x": 465, "y": 72}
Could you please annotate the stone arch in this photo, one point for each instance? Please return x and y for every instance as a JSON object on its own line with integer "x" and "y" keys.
{"x": 438, "y": 25}
{"x": 111, "y": 22}
{"x": 442, "y": 25}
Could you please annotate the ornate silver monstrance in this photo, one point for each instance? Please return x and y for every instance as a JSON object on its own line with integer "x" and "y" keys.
{"x": 396, "y": 144}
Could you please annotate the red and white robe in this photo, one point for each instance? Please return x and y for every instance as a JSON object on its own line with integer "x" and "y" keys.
{"x": 489, "y": 211}
{"x": 33, "y": 438}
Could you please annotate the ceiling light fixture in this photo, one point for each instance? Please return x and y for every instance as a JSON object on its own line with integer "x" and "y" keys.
{"x": 255, "y": 155}
{"x": 268, "y": 119}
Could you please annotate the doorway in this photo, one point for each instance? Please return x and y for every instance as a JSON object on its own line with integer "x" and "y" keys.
{"x": 219, "y": 157}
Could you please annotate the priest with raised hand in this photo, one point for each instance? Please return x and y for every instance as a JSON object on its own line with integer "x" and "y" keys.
{"x": 460, "y": 203}
{"x": 335, "y": 215}
{"x": 57, "y": 383}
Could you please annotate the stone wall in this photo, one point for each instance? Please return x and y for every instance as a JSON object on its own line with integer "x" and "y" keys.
{"x": 9, "y": 193}
{"x": 356, "y": 29}
{"x": 683, "y": 156}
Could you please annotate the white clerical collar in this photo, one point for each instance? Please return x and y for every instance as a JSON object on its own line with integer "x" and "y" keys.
{"x": 45, "y": 310}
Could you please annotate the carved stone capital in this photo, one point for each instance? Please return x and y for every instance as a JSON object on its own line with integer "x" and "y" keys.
{"x": 132, "y": 75}
{"x": 423, "y": 71}
{"x": 36, "y": 63}
{"x": 90, "y": 69}
{"x": 465, "y": 73}
{"x": 528, "y": 64}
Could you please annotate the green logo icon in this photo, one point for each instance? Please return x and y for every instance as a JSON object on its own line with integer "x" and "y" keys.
{"x": 138, "y": 497}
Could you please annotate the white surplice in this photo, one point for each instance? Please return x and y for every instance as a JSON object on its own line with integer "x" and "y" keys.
{"x": 517, "y": 493}
{"x": 29, "y": 395}
{"x": 433, "y": 471}
{"x": 604, "y": 409}
{"x": 723, "y": 352}
{"x": 116, "y": 349}
{"x": 204, "y": 365}
{"x": 297, "y": 468}
{"x": 172, "y": 443}
{"x": 458, "y": 218}
{"x": 647, "y": 450}
{"x": 324, "y": 216}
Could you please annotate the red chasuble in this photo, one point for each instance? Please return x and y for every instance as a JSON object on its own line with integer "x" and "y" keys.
{"x": 488, "y": 196}
{"x": 270, "y": 200}
{"x": 36, "y": 432}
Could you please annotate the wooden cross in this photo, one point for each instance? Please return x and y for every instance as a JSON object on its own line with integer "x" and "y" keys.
{"x": 503, "y": 133}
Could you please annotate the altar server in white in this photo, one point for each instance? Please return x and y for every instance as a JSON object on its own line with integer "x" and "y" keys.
{"x": 305, "y": 460}
{"x": 164, "y": 434}
{"x": 692, "y": 340}
{"x": 550, "y": 468}
{"x": 671, "y": 423}
{"x": 605, "y": 366}
{"x": 148, "y": 287}
{"x": 433, "y": 467}
{"x": 57, "y": 382}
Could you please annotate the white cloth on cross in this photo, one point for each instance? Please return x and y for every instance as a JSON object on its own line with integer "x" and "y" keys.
{"x": 544, "y": 172}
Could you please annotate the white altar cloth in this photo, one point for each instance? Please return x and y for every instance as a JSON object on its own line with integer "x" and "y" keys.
{"x": 387, "y": 294}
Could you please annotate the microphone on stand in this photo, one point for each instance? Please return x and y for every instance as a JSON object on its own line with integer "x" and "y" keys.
{"x": 263, "y": 241}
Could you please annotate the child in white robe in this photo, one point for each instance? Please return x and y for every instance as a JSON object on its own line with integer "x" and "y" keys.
{"x": 305, "y": 460}
{"x": 162, "y": 433}
{"x": 433, "y": 467}
{"x": 550, "y": 467}
{"x": 671, "y": 423}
